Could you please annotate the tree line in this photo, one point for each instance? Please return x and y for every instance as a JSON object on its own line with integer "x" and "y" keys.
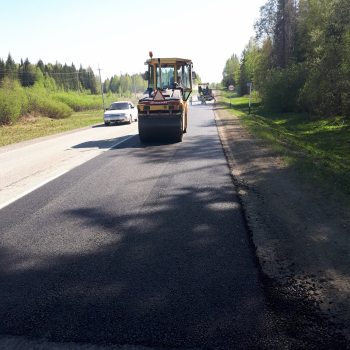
{"x": 125, "y": 84}
{"x": 299, "y": 59}
{"x": 66, "y": 78}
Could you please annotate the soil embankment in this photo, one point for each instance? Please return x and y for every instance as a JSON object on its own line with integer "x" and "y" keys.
{"x": 302, "y": 238}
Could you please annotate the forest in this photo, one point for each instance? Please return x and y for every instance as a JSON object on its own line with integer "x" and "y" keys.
{"x": 299, "y": 59}
{"x": 56, "y": 90}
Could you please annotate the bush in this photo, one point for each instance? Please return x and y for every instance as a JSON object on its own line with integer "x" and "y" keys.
{"x": 326, "y": 91}
{"x": 13, "y": 105}
{"x": 15, "y": 102}
{"x": 82, "y": 103}
{"x": 281, "y": 93}
{"x": 39, "y": 104}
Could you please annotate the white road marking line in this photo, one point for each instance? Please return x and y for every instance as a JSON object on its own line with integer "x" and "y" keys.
{"x": 120, "y": 142}
{"x": 39, "y": 143}
{"x": 31, "y": 190}
{"x": 53, "y": 178}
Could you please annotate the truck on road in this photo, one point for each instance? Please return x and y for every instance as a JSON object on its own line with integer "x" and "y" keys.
{"x": 204, "y": 91}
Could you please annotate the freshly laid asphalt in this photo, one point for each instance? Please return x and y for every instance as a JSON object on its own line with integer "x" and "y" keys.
{"x": 144, "y": 244}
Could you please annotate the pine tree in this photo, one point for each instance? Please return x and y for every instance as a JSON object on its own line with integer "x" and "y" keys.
{"x": 2, "y": 69}
{"x": 92, "y": 85}
{"x": 41, "y": 65}
{"x": 11, "y": 68}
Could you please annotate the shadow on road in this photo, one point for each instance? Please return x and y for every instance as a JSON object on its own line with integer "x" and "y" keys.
{"x": 157, "y": 256}
{"x": 102, "y": 144}
{"x": 171, "y": 268}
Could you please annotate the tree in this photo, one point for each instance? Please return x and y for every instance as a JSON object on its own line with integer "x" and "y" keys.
{"x": 92, "y": 82}
{"x": 126, "y": 83}
{"x": 114, "y": 84}
{"x": 27, "y": 73}
{"x": 106, "y": 85}
{"x": 285, "y": 31}
{"x": 263, "y": 65}
{"x": 198, "y": 80}
{"x": 41, "y": 65}
{"x": 248, "y": 65}
{"x": 230, "y": 71}
{"x": 39, "y": 78}
{"x": 10, "y": 67}
{"x": 2, "y": 69}
{"x": 265, "y": 26}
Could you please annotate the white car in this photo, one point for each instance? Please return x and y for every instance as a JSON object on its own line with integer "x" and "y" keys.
{"x": 118, "y": 112}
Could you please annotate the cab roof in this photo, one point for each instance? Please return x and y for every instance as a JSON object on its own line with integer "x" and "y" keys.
{"x": 168, "y": 60}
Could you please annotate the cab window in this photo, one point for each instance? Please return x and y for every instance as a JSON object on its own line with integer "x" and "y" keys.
{"x": 151, "y": 77}
{"x": 184, "y": 76}
{"x": 167, "y": 77}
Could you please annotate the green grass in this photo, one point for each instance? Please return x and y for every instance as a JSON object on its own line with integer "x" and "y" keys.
{"x": 31, "y": 128}
{"x": 318, "y": 149}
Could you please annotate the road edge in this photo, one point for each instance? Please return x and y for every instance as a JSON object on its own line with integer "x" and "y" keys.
{"x": 248, "y": 196}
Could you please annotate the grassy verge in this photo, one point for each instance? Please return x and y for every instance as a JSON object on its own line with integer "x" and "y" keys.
{"x": 317, "y": 149}
{"x": 31, "y": 128}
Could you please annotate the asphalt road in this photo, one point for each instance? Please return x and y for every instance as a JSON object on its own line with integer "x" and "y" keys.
{"x": 144, "y": 244}
{"x": 28, "y": 164}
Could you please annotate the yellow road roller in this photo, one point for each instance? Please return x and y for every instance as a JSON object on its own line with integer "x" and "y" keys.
{"x": 162, "y": 109}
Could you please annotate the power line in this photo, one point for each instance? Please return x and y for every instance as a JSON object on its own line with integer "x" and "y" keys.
{"x": 27, "y": 72}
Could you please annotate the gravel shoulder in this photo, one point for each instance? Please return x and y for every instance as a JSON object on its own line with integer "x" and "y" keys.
{"x": 302, "y": 238}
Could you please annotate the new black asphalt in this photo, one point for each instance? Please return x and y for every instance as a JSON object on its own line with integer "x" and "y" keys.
{"x": 143, "y": 245}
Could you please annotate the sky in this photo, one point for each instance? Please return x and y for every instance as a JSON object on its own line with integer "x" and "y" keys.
{"x": 118, "y": 35}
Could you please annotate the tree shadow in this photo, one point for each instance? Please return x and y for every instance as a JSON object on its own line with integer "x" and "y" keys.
{"x": 157, "y": 255}
{"x": 153, "y": 276}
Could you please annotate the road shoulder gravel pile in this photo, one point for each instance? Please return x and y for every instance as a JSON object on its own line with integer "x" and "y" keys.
{"x": 302, "y": 238}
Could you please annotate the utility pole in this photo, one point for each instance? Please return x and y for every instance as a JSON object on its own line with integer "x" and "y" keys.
{"x": 78, "y": 84}
{"x": 120, "y": 84}
{"x": 134, "y": 86}
{"x": 103, "y": 99}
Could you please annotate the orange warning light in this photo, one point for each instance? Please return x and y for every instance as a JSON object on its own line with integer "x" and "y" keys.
{"x": 151, "y": 54}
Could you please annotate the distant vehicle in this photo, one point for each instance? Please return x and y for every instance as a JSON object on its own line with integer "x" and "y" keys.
{"x": 207, "y": 93}
{"x": 120, "y": 112}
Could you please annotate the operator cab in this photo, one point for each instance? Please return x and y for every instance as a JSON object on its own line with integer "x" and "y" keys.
{"x": 172, "y": 76}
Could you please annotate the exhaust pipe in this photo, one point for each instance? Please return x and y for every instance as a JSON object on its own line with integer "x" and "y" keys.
{"x": 160, "y": 74}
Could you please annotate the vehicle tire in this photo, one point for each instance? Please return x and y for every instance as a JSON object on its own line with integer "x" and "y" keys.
{"x": 106, "y": 123}
{"x": 180, "y": 134}
{"x": 143, "y": 136}
{"x": 185, "y": 129}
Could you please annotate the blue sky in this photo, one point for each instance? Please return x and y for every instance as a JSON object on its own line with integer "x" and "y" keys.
{"x": 118, "y": 35}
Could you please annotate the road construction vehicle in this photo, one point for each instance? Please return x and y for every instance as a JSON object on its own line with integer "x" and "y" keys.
{"x": 203, "y": 90}
{"x": 162, "y": 109}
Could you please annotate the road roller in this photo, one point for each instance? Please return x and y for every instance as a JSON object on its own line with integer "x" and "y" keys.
{"x": 162, "y": 109}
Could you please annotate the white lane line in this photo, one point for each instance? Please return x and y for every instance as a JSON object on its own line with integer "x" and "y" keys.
{"x": 39, "y": 143}
{"x": 120, "y": 142}
{"x": 31, "y": 190}
{"x": 53, "y": 178}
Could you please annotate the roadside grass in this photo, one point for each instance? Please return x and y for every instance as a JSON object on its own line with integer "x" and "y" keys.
{"x": 317, "y": 149}
{"x": 30, "y": 128}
